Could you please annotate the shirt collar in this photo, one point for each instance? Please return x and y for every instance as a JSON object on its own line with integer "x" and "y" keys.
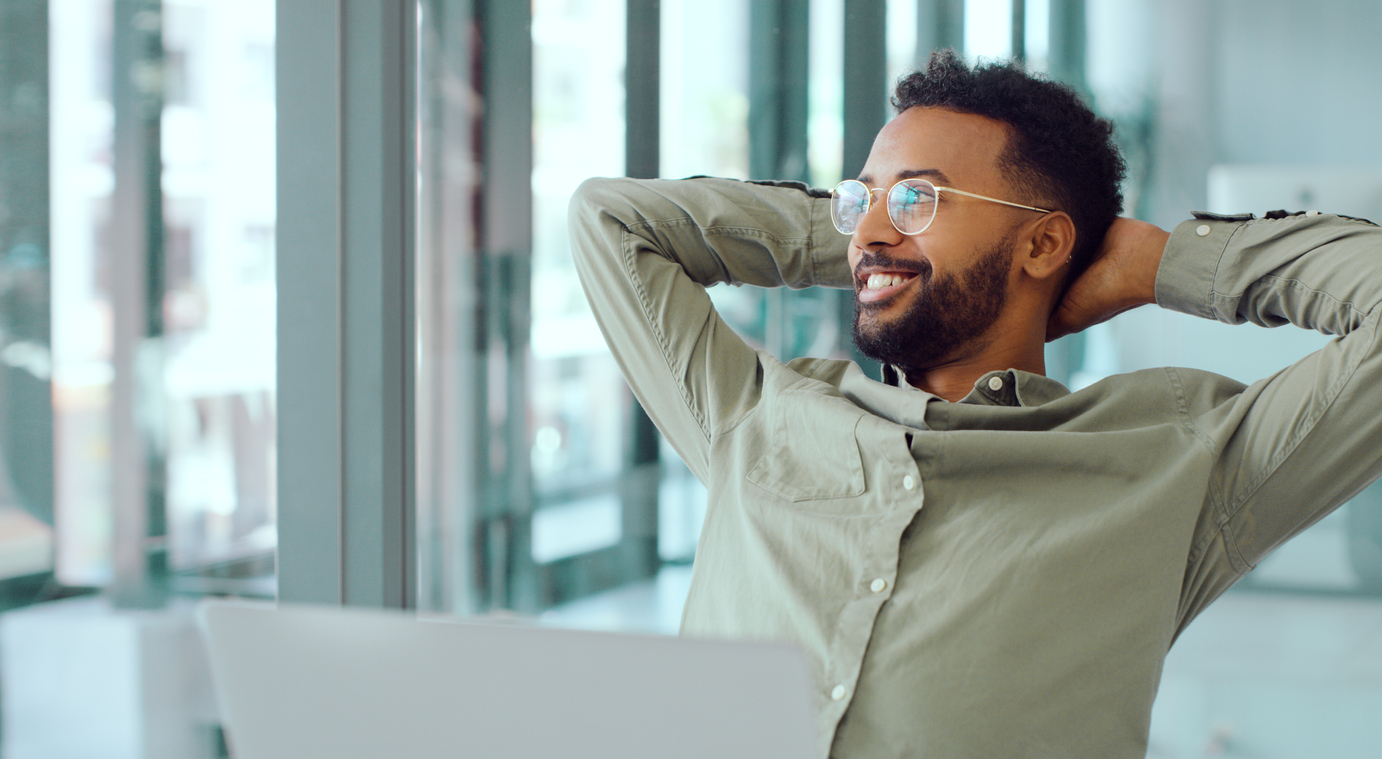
{"x": 1011, "y": 387}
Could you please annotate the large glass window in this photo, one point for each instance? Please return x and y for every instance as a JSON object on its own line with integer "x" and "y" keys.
{"x": 137, "y": 359}
{"x": 204, "y": 362}
{"x": 578, "y": 400}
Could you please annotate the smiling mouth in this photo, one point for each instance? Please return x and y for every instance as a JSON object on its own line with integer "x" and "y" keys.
{"x": 880, "y": 286}
{"x": 880, "y": 281}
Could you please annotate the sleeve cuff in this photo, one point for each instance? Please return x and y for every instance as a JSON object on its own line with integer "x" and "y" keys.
{"x": 1185, "y": 279}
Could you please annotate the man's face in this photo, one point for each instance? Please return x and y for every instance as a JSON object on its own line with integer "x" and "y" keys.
{"x": 930, "y": 299}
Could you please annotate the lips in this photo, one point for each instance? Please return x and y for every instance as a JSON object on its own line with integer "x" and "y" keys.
{"x": 878, "y": 286}
{"x": 878, "y": 277}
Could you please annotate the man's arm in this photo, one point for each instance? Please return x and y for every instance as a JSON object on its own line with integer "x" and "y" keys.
{"x": 1294, "y": 446}
{"x": 647, "y": 249}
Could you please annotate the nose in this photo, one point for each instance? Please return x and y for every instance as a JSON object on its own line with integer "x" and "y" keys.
{"x": 875, "y": 228}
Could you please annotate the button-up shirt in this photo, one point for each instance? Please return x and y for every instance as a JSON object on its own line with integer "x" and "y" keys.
{"x": 1001, "y": 576}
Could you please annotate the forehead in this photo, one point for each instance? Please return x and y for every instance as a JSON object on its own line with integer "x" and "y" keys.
{"x": 963, "y": 147}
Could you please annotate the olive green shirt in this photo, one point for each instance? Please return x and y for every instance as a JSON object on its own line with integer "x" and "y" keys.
{"x": 1003, "y": 576}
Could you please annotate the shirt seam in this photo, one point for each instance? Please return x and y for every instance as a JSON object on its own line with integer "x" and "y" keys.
{"x": 1216, "y": 500}
{"x": 1293, "y": 284}
{"x": 631, "y": 271}
{"x": 722, "y": 230}
{"x": 1219, "y": 265}
{"x": 1308, "y": 426}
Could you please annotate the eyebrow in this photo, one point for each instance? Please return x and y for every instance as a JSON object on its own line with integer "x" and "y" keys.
{"x": 933, "y": 174}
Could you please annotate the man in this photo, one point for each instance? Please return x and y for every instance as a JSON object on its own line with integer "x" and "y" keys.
{"x": 976, "y": 561}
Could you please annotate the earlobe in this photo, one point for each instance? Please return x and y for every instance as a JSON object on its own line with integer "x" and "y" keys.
{"x": 1052, "y": 240}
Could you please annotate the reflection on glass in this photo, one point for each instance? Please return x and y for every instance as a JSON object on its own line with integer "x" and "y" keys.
{"x": 988, "y": 29}
{"x": 578, "y": 402}
{"x": 81, "y": 144}
{"x": 704, "y": 130}
{"x": 705, "y": 97}
{"x": 825, "y": 102}
{"x": 219, "y": 298}
{"x": 214, "y": 421}
{"x": 449, "y": 363}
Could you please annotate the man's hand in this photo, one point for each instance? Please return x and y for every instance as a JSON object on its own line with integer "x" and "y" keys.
{"x": 1122, "y": 276}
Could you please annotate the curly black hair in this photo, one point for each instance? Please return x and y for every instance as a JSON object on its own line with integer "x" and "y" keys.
{"x": 1060, "y": 152}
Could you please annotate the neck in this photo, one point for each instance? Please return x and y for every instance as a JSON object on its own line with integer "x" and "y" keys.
{"x": 1004, "y": 346}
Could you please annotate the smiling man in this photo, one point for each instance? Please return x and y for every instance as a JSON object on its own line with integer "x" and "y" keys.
{"x": 976, "y": 561}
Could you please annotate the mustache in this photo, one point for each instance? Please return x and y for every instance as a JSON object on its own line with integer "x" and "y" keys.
{"x": 883, "y": 261}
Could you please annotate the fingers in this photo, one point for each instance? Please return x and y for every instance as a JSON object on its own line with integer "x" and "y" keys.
{"x": 1122, "y": 276}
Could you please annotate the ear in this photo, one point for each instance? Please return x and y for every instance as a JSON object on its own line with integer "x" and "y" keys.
{"x": 1052, "y": 238}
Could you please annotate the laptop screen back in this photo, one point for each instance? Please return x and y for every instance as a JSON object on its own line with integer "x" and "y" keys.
{"x": 328, "y": 681}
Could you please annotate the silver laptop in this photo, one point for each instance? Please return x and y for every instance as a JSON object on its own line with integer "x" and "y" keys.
{"x": 333, "y": 682}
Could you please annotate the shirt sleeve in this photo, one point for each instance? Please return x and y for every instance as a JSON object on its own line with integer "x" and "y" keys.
{"x": 646, "y": 250}
{"x": 1294, "y": 446}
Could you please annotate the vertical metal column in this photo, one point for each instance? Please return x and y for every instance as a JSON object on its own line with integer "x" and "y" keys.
{"x": 346, "y": 183}
{"x": 506, "y": 242}
{"x": 866, "y": 111}
{"x": 26, "y": 408}
{"x": 642, "y": 99}
{"x": 940, "y": 25}
{"x": 1019, "y": 33}
{"x": 642, "y": 471}
{"x": 450, "y": 412}
{"x": 778, "y": 70}
{"x": 866, "y": 80}
{"x": 136, "y": 267}
{"x": 1068, "y": 43}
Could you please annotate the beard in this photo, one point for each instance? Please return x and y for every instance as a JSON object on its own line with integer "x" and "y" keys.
{"x": 945, "y": 321}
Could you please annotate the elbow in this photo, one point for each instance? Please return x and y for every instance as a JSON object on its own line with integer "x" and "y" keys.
{"x": 594, "y": 196}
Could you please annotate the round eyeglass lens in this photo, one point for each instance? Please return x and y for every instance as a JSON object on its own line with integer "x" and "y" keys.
{"x": 848, "y": 203}
{"x": 912, "y": 205}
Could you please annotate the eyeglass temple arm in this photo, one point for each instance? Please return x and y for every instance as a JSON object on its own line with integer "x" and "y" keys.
{"x": 991, "y": 200}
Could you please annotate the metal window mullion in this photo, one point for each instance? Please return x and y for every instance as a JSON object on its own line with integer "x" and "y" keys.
{"x": 865, "y": 81}
{"x": 865, "y": 112}
{"x": 779, "y": 71}
{"x": 136, "y": 237}
{"x": 376, "y": 252}
{"x": 779, "y": 66}
{"x": 345, "y": 350}
{"x": 1019, "y": 30}
{"x": 940, "y": 25}
{"x": 1068, "y": 43}
{"x": 642, "y": 133}
{"x": 505, "y": 224}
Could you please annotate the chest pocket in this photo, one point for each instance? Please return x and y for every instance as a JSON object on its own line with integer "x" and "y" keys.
{"x": 813, "y": 452}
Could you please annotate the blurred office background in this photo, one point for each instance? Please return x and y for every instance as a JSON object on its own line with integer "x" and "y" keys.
{"x": 287, "y": 310}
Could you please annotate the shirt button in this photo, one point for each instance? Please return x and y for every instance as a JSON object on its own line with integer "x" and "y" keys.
{"x": 879, "y": 585}
{"x": 909, "y": 483}
{"x": 995, "y": 383}
{"x": 838, "y": 693}
{"x": 1202, "y": 230}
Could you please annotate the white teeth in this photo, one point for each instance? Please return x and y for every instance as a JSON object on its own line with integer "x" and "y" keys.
{"x": 880, "y": 281}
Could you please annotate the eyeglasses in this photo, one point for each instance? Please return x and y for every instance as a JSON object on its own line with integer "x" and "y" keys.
{"x": 911, "y": 204}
